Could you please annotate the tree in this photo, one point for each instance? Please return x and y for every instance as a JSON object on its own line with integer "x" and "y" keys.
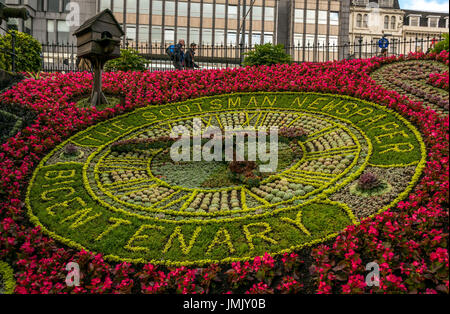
{"x": 28, "y": 52}
{"x": 442, "y": 45}
{"x": 267, "y": 54}
{"x": 129, "y": 60}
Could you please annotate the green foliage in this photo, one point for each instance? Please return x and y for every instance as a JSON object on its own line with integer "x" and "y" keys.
{"x": 442, "y": 45}
{"x": 7, "y": 282}
{"x": 28, "y": 53}
{"x": 267, "y": 54}
{"x": 129, "y": 60}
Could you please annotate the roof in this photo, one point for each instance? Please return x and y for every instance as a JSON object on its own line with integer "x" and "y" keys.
{"x": 425, "y": 14}
{"x": 395, "y": 4}
{"x": 424, "y": 17}
{"x": 91, "y": 21}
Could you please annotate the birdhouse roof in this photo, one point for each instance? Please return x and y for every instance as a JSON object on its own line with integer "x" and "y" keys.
{"x": 104, "y": 16}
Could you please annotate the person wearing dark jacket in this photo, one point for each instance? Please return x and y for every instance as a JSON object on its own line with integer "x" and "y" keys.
{"x": 189, "y": 57}
{"x": 178, "y": 60}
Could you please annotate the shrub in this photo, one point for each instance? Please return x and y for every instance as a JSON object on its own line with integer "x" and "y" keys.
{"x": 129, "y": 60}
{"x": 267, "y": 54}
{"x": 28, "y": 53}
{"x": 368, "y": 181}
{"x": 442, "y": 45}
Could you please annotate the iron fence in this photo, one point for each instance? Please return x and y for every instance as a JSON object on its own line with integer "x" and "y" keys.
{"x": 63, "y": 57}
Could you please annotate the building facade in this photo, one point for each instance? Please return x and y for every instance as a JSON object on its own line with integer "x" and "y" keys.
{"x": 311, "y": 30}
{"x": 422, "y": 28}
{"x": 407, "y": 31}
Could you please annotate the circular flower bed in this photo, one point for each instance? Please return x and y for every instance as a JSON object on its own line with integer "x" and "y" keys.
{"x": 139, "y": 205}
{"x": 408, "y": 240}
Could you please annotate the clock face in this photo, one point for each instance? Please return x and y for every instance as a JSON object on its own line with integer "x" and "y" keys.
{"x": 116, "y": 189}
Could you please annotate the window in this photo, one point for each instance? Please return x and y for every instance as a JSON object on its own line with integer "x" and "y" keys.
{"x": 220, "y": 11}
{"x": 182, "y": 8}
{"x": 63, "y": 31}
{"x": 53, "y": 5}
{"x": 433, "y": 22}
{"x": 131, "y": 7}
{"x": 323, "y": 16}
{"x": 169, "y": 36}
{"x": 144, "y": 8}
{"x": 194, "y": 35}
{"x": 366, "y": 21}
{"x": 143, "y": 32}
{"x": 359, "y": 20}
{"x": 219, "y": 37}
{"x": 156, "y": 34}
{"x": 131, "y": 32}
{"x": 181, "y": 33}
{"x": 170, "y": 8}
{"x": 269, "y": 14}
{"x": 232, "y": 11}
{"x": 64, "y": 4}
{"x": 386, "y": 22}
{"x": 40, "y": 5}
{"x": 334, "y": 18}
{"x": 414, "y": 21}
{"x": 311, "y": 16}
{"x": 207, "y": 36}
{"x": 105, "y": 4}
{"x": 118, "y": 6}
{"x": 207, "y": 10}
{"x": 393, "y": 22}
{"x": 298, "y": 15}
{"x": 309, "y": 41}
{"x": 298, "y": 40}
{"x": 195, "y": 9}
{"x": 51, "y": 34}
{"x": 332, "y": 43}
{"x": 256, "y": 38}
{"x": 156, "y": 7}
{"x": 231, "y": 38}
{"x": 322, "y": 42}
{"x": 268, "y": 38}
{"x": 27, "y": 24}
{"x": 385, "y": 3}
{"x": 257, "y": 13}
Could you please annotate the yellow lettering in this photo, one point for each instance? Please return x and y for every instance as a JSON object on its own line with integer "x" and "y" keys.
{"x": 81, "y": 217}
{"x": 232, "y": 103}
{"x": 116, "y": 223}
{"x": 262, "y": 234}
{"x": 347, "y": 110}
{"x": 149, "y": 116}
{"x": 397, "y": 148}
{"x": 362, "y": 112}
{"x": 179, "y": 235}
{"x": 45, "y": 197}
{"x": 139, "y": 236}
{"x": 59, "y": 174}
{"x": 372, "y": 120}
{"x": 222, "y": 237}
{"x": 271, "y": 103}
{"x": 391, "y": 135}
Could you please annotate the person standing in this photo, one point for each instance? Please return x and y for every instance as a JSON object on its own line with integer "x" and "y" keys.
{"x": 189, "y": 57}
{"x": 179, "y": 55}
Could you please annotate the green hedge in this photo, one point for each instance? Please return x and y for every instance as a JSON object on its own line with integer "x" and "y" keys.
{"x": 28, "y": 53}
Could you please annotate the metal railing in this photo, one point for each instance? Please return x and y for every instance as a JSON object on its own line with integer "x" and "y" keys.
{"x": 63, "y": 57}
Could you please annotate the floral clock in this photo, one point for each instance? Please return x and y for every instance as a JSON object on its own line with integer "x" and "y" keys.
{"x": 139, "y": 205}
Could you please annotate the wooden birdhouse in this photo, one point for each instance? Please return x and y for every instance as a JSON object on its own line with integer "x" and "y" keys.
{"x": 98, "y": 40}
{"x": 100, "y": 36}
